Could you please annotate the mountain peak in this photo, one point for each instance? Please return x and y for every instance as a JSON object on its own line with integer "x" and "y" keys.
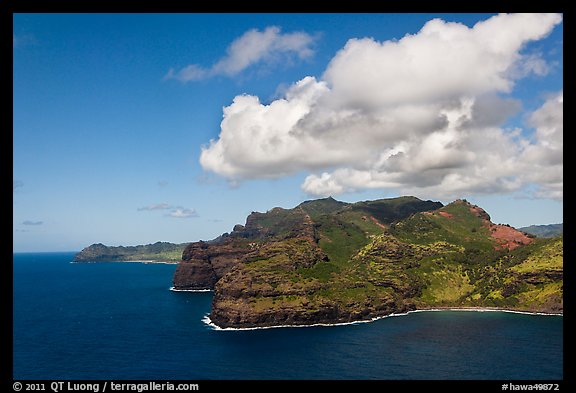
{"x": 462, "y": 206}
{"x": 322, "y": 206}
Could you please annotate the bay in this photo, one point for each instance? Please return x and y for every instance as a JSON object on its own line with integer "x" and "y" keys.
{"x": 121, "y": 321}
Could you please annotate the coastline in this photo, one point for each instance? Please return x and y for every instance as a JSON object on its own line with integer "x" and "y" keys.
{"x": 489, "y": 309}
{"x": 213, "y": 326}
{"x": 190, "y": 290}
{"x": 142, "y": 261}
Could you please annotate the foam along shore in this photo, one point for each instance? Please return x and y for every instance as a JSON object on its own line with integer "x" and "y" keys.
{"x": 189, "y": 290}
{"x": 209, "y": 322}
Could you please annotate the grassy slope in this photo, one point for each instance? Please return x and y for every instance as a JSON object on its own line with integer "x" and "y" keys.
{"x": 444, "y": 258}
{"x": 454, "y": 223}
{"x": 529, "y": 277}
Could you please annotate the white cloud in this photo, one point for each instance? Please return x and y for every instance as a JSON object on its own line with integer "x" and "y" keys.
{"x": 260, "y": 140}
{"x": 422, "y": 115}
{"x": 182, "y": 213}
{"x": 549, "y": 123}
{"x": 34, "y": 223}
{"x": 155, "y": 206}
{"x": 460, "y": 161}
{"x": 175, "y": 211}
{"x": 544, "y": 157}
{"x": 443, "y": 60}
{"x": 253, "y": 47}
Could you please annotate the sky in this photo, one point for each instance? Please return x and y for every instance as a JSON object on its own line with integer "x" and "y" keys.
{"x": 135, "y": 128}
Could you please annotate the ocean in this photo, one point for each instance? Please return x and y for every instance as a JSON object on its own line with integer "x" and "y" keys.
{"x": 114, "y": 321}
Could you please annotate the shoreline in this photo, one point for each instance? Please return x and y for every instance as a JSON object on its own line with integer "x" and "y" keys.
{"x": 489, "y": 309}
{"x": 190, "y": 290}
{"x": 215, "y": 327}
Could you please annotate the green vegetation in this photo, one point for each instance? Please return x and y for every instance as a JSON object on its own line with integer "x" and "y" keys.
{"x": 157, "y": 252}
{"x": 319, "y": 207}
{"x": 278, "y": 222}
{"x": 455, "y": 223}
{"x": 549, "y": 257}
{"x": 339, "y": 239}
{"x": 391, "y": 210}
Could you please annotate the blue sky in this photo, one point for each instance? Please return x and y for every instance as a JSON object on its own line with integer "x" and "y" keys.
{"x": 114, "y": 115}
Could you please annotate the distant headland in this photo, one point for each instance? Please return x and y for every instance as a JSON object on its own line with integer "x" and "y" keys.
{"x": 159, "y": 252}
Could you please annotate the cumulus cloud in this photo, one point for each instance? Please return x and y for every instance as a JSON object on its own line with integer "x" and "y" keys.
{"x": 253, "y": 47}
{"x": 442, "y": 60}
{"x": 155, "y": 206}
{"x": 182, "y": 213}
{"x": 546, "y": 152}
{"x": 28, "y": 222}
{"x": 422, "y": 115}
{"x": 468, "y": 157}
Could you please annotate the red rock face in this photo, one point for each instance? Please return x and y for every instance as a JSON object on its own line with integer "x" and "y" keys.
{"x": 508, "y": 237}
{"x": 445, "y": 214}
{"x": 505, "y": 236}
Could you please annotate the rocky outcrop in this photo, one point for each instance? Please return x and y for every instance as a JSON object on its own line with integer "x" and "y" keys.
{"x": 508, "y": 237}
{"x": 203, "y": 264}
{"x": 504, "y": 235}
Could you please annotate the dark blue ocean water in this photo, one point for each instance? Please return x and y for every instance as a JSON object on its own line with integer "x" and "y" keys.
{"x": 121, "y": 321}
